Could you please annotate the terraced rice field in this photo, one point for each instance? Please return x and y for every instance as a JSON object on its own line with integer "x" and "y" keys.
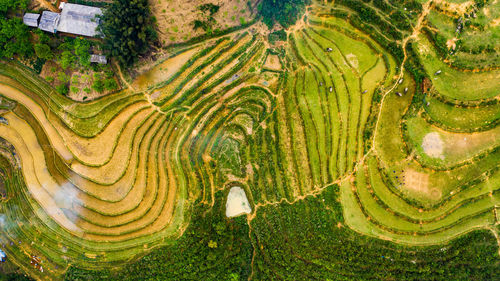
{"x": 98, "y": 184}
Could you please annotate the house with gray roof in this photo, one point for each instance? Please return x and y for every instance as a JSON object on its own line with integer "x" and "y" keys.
{"x": 31, "y": 19}
{"x": 49, "y": 21}
{"x": 74, "y": 19}
{"x": 79, "y": 19}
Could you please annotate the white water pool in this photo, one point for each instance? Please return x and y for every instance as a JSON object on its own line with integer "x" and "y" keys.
{"x": 237, "y": 202}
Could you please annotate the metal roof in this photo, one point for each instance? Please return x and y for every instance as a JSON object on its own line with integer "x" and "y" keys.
{"x": 49, "y": 21}
{"x": 30, "y": 19}
{"x": 79, "y": 19}
{"x": 100, "y": 59}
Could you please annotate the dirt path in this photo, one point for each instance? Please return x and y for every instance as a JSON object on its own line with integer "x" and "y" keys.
{"x": 426, "y": 8}
{"x": 314, "y": 192}
{"x": 129, "y": 86}
{"x": 317, "y": 191}
{"x": 453, "y": 8}
{"x": 301, "y": 24}
{"x": 497, "y": 236}
{"x": 122, "y": 78}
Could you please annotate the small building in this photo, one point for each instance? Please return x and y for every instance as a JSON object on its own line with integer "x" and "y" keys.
{"x": 31, "y": 19}
{"x": 49, "y": 21}
{"x": 79, "y": 19}
{"x": 100, "y": 59}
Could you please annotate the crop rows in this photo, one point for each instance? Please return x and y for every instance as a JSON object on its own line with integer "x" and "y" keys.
{"x": 98, "y": 183}
{"x": 391, "y": 154}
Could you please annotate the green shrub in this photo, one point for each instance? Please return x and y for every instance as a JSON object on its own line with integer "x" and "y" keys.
{"x": 43, "y": 51}
{"x": 82, "y": 51}
{"x": 98, "y": 86}
{"x": 67, "y": 59}
{"x": 62, "y": 89}
{"x": 110, "y": 84}
{"x": 38, "y": 65}
{"x": 62, "y": 77}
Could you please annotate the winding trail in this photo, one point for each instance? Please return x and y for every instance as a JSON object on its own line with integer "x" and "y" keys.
{"x": 122, "y": 78}
{"x": 317, "y": 191}
{"x": 414, "y": 35}
{"x": 497, "y": 236}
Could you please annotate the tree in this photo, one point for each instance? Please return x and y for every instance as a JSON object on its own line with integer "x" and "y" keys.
{"x": 110, "y": 84}
{"x": 212, "y": 244}
{"x": 10, "y": 5}
{"x": 14, "y": 38}
{"x": 63, "y": 78}
{"x": 43, "y": 51}
{"x": 67, "y": 59}
{"x": 62, "y": 89}
{"x": 208, "y": 10}
{"x": 82, "y": 51}
{"x": 98, "y": 85}
{"x": 127, "y": 30}
{"x": 14, "y": 35}
{"x": 43, "y": 38}
{"x": 285, "y": 12}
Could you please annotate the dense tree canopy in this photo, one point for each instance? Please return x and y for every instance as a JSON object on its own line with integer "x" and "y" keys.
{"x": 128, "y": 30}
{"x": 14, "y": 35}
{"x": 301, "y": 241}
{"x": 9, "y": 5}
{"x": 14, "y": 277}
{"x": 82, "y": 51}
{"x": 43, "y": 51}
{"x": 285, "y": 12}
{"x": 14, "y": 38}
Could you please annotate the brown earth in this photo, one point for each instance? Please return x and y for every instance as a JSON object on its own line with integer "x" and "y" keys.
{"x": 419, "y": 182}
{"x": 79, "y": 79}
{"x": 175, "y": 17}
{"x": 273, "y": 63}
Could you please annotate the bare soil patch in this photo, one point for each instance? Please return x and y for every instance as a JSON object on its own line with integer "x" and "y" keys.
{"x": 433, "y": 145}
{"x": 495, "y": 22}
{"x": 175, "y": 17}
{"x": 451, "y": 44}
{"x": 454, "y": 8}
{"x": 419, "y": 182}
{"x": 43, "y": 4}
{"x": 353, "y": 60}
{"x": 163, "y": 71}
{"x": 273, "y": 63}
